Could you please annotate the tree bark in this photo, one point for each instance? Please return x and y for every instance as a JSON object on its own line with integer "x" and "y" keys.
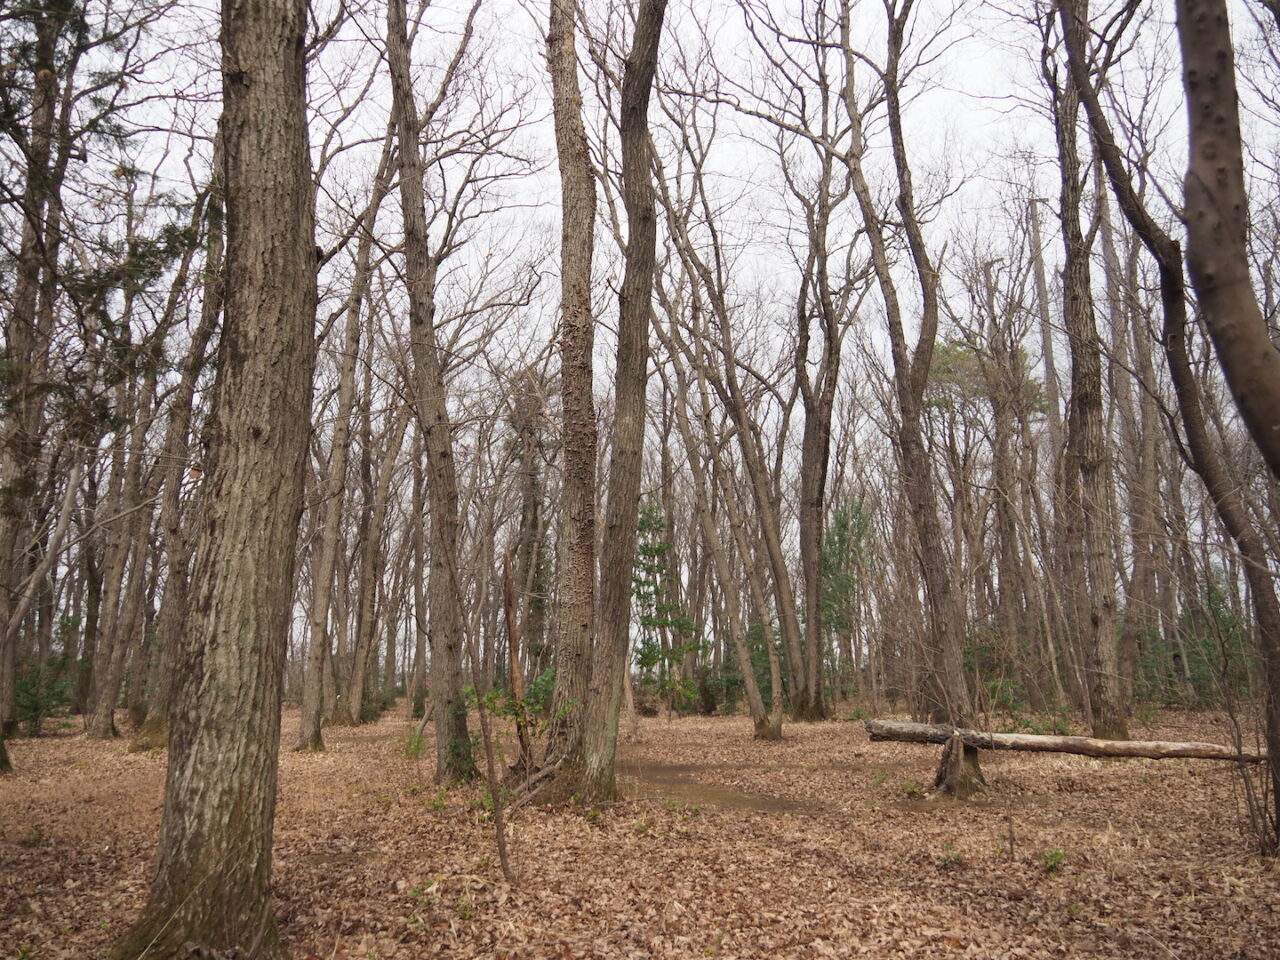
{"x": 576, "y": 587}
{"x": 371, "y": 568}
{"x": 765, "y": 727}
{"x": 154, "y": 732}
{"x": 1217, "y": 218}
{"x": 1203, "y": 456}
{"x": 212, "y": 882}
{"x": 26, "y": 339}
{"x": 453, "y": 743}
{"x": 635, "y": 307}
{"x": 1094, "y": 585}
{"x": 947, "y": 687}
{"x": 333, "y": 489}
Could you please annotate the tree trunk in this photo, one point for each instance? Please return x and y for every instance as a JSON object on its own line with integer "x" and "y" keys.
{"x": 453, "y": 743}
{"x": 421, "y": 615}
{"x": 371, "y": 568}
{"x": 595, "y": 780}
{"x": 333, "y": 488}
{"x": 171, "y": 619}
{"x": 125, "y": 564}
{"x": 576, "y": 589}
{"x": 958, "y": 774}
{"x": 1086, "y": 441}
{"x": 762, "y": 723}
{"x": 26, "y": 349}
{"x": 212, "y": 880}
{"x": 1217, "y": 218}
{"x": 947, "y": 689}
{"x": 1204, "y": 458}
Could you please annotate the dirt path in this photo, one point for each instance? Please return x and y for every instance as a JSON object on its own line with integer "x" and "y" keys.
{"x": 817, "y": 846}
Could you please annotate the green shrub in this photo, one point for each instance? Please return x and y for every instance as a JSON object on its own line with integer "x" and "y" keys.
{"x": 1218, "y": 655}
{"x": 414, "y": 745}
{"x": 540, "y": 692}
{"x": 41, "y": 692}
{"x": 1052, "y": 860}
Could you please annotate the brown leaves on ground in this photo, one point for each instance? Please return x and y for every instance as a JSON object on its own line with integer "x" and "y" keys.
{"x": 818, "y": 846}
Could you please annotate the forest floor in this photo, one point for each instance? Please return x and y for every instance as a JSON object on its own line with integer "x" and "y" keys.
{"x": 818, "y": 846}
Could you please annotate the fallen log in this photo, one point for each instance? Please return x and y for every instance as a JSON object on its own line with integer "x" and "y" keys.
{"x": 1086, "y": 746}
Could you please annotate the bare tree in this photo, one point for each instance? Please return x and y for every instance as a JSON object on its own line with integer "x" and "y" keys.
{"x": 1093, "y": 576}
{"x": 333, "y": 483}
{"x": 453, "y": 744}
{"x": 631, "y": 374}
{"x": 948, "y": 696}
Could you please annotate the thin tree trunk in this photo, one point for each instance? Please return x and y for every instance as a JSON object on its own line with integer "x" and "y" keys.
{"x": 154, "y": 732}
{"x": 333, "y": 487}
{"x": 26, "y": 347}
{"x": 947, "y": 690}
{"x": 597, "y": 780}
{"x": 1086, "y": 443}
{"x": 453, "y": 743}
{"x": 371, "y": 567}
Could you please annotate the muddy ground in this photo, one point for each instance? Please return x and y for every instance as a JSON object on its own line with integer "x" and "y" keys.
{"x": 818, "y": 846}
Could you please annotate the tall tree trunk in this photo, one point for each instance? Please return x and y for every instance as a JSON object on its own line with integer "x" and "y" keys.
{"x": 596, "y": 777}
{"x": 125, "y": 565}
{"x": 26, "y": 338}
{"x": 1086, "y": 442}
{"x": 178, "y": 544}
{"x": 947, "y": 689}
{"x": 576, "y": 588}
{"x": 728, "y": 387}
{"x": 371, "y": 568}
{"x": 333, "y": 489}
{"x": 766, "y": 727}
{"x": 212, "y": 880}
{"x": 453, "y": 743}
{"x": 818, "y": 378}
{"x": 421, "y": 615}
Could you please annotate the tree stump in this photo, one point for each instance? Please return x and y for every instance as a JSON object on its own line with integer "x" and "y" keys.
{"x": 959, "y": 775}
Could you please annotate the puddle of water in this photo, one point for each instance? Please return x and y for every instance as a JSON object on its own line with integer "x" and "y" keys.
{"x": 675, "y": 782}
